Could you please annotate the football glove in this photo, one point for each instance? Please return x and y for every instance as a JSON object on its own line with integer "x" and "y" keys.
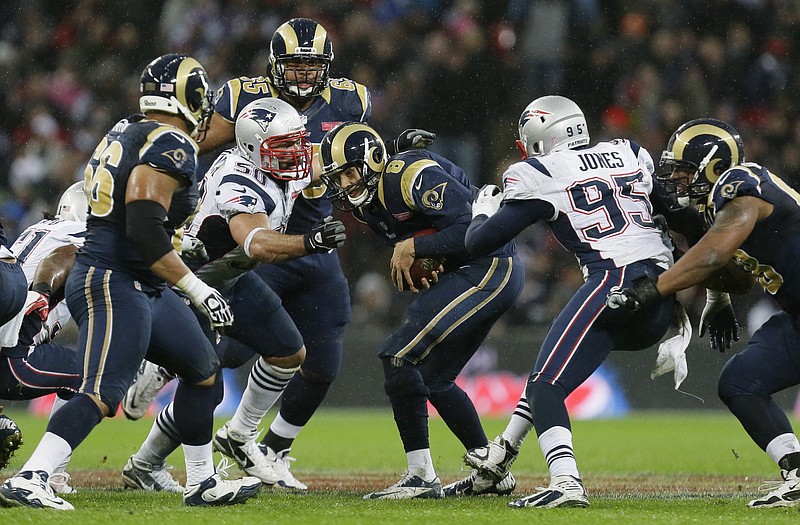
{"x": 325, "y": 236}
{"x": 39, "y": 303}
{"x": 410, "y": 139}
{"x": 193, "y": 249}
{"x": 207, "y": 300}
{"x": 719, "y": 320}
{"x": 641, "y": 295}
{"x": 487, "y": 202}
{"x": 10, "y": 439}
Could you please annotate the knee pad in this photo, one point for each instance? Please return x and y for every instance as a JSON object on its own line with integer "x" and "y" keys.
{"x": 403, "y": 381}
{"x": 734, "y": 381}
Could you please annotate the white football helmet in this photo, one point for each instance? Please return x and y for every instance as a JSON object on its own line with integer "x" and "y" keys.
{"x": 271, "y": 133}
{"x": 551, "y": 123}
{"x": 73, "y": 205}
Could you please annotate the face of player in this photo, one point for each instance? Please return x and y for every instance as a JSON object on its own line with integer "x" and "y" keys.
{"x": 304, "y": 74}
{"x": 681, "y": 177}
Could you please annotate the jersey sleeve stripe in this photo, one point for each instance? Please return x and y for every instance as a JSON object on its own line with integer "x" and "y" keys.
{"x": 409, "y": 177}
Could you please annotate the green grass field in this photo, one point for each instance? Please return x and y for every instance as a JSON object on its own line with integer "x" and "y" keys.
{"x": 646, "y": 468}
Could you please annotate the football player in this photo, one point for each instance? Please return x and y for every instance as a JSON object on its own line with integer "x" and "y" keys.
{"x": 398, "y": 197}
{"x": 13, "y": 296}
{"x": 36, "y": 366}
{"x": 596, "y": 201}
{"x": 313, "y": 289}
{"x": 141, "y": 187}
{"x": 247, "y": 199}
{"x": 753, "y": 219}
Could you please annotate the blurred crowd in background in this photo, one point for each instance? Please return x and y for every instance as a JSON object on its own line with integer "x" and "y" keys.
{"x": 461, "y": 68}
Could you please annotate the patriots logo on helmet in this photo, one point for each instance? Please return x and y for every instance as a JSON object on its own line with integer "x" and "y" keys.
{"x": 261, "y": 116}
{"x": 531, "y": 113}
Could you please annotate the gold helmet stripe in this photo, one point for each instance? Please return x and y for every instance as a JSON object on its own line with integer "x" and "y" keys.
{"x": 185, "y": 69}
{"x": 320, "y": 35}
{"x": 338, "y": 157}
{"x": 289, "y": 36}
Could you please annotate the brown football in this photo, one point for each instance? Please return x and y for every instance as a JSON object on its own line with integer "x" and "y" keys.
{"x": 423, "y": 267}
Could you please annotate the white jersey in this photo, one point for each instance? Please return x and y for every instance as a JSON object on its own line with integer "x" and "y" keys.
{"x": 601, "y": 198}
{"x": 231, "y": 186}
{"x": 37, "y": 242}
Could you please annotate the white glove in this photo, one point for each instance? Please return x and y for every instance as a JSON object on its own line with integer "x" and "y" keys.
{"x": 488, "y": 201}
{"x": 207, "y": 300}
{"x": 193, "y": 249}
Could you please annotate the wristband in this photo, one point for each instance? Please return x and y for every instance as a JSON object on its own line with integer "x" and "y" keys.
{"x": 249, "y": 239}
{"x": 191, "y": 285}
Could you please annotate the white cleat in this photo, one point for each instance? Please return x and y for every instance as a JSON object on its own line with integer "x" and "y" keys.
{"x": 244, "y": 450}
{"x": 216, "y": 491}
{"x": 59, "y": 482}
{"x": 477, "y": 485}
{"x": 410, "y": 487}
{"x": 30, "y": 489}
{"x": 138, "y": 474}
{"x": 564, "y": 491}
{"x": 494, "y": 460}
{"x": 784, "y": 493}
{"x": 280, "y": 462}
{"x": 148, "y": 382}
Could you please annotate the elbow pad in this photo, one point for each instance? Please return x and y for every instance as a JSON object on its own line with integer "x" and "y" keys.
{"x": 144, "y": 225}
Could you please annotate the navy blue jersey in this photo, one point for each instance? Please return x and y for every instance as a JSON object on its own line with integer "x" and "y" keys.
{"x": 419, "y": 190}
{"x": 133, "y": 141}
{"x": 771, "y": 251}
{"x": 342, "y": 101}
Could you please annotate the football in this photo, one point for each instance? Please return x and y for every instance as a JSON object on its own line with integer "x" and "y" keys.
{"x": 731, "y": 278}
{"x": 423, "y": 267}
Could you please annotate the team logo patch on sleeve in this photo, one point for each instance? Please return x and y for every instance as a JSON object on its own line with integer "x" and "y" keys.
{"x": 434, "y": 197}
{"x": 730, "y": 190}
{"x": 243, "y": 200}
{"x": 178, "y": 157}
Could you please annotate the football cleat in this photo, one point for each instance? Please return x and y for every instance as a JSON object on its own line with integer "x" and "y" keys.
{"x": 148, "y": 382}
{"x": 564, "y": 491}
{"x": 10, "y": 439}
{"x": 138, "y": 474}
{"x": 477, "y": 485}
{"x": 244, "y": 450}
{"x": 280, "y": 462}
{"x": 31, "y": 489}
{"x": 494, "y": 460}
{"x": 59, "y": 482}
{"x": 216, "y": 491}
{"x": 410, "y": 487}
{"x": 784, "y": 493}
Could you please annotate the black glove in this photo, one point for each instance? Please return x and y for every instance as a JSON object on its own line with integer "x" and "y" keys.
{"x": 410, "y": 139}
{"x": 325, "y": 236}
{"x": 719, "y": 320}
{"x": 642, "y": 295}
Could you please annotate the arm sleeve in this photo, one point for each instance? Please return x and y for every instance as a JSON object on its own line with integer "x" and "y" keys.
{"x": 488, "y": 234}
{"x": 144, "y": 224}
{"x": 448, "y": 241}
